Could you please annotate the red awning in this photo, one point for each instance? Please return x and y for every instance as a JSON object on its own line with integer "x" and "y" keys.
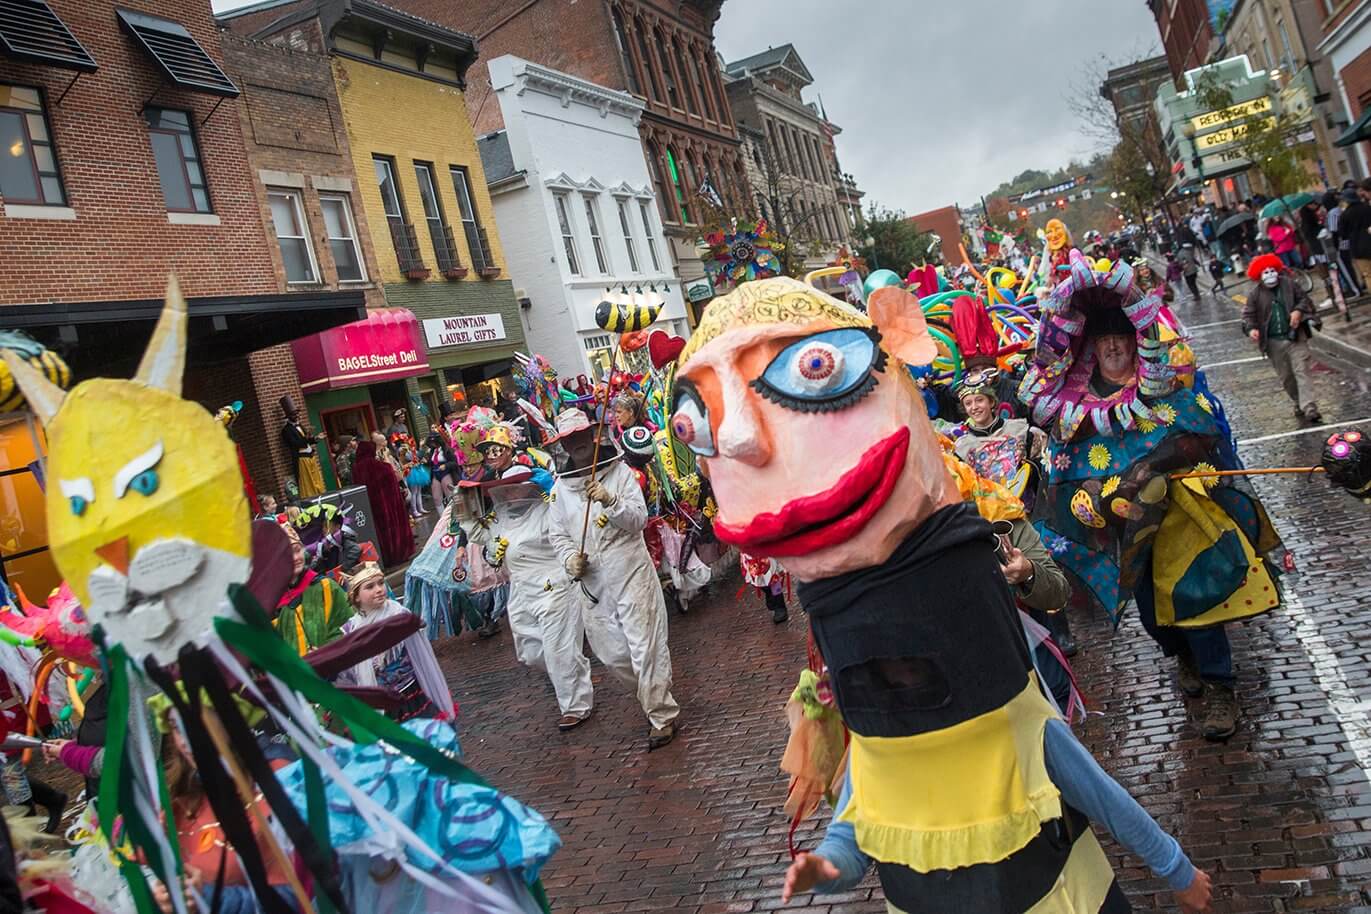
{"x": 388, "y": 345}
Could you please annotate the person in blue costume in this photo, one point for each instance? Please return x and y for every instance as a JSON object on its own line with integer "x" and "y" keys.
{"x": 1118, "y": 393}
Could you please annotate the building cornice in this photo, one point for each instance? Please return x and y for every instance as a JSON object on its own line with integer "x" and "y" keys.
{"x": 1350, "y": 25}
{"x": 532, "y": 77}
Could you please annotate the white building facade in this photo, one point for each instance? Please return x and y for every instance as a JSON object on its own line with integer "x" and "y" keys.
{"x": 574, "y": 204}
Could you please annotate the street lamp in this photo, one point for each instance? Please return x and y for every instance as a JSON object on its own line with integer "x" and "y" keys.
{"x": 870, "y": 242}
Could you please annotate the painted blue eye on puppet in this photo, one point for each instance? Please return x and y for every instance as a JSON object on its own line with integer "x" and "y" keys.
{"x": 824, "y": 372}
{"x": 78, "y": 505}
{"x": 146, "y": 482}
{"x": 690, "y": 421}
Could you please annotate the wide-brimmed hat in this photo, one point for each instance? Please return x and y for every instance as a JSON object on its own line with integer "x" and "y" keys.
{"x": 570, "y": 421}
{"x": 495, "y": 435}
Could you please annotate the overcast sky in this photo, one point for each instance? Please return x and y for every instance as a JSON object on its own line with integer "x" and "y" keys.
{"x": 940, "y": 101}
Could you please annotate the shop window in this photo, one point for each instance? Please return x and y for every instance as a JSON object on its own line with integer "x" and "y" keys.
{"x": 568, "y": 238}
{"x": 24, "y": 551}
{"x": 341, "y": 234}
{"x": 597, "y": 243}
{"x": 478, "y": 243}
{"x": 629, "y": 244}
{"x": 292, "y": 234}
{"x": 28, "y": 166}
{"x": 650, "y": 235}
{"x": 599, "y": 350}
{"x": 444, "y": 248}
{"x": 178, "y": 161}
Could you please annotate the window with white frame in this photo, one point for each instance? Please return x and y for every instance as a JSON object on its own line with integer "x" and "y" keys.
{"x": 341, "y": 233}
{"x": 292, "y": 233}
{"x": 599, "y": 350}
{"x": 646, "y": 215}
{"x": 629, "y": 243}
{"x": 568, "y": 239}
{"x": 596, "y": 242}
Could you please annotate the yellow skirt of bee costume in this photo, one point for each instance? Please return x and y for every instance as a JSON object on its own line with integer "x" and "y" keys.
{"x": 1080, "y": 889}
{"x": 311, "y": 478}
{"x": 1202, "y": 558}
{"x": 971, "y": 793}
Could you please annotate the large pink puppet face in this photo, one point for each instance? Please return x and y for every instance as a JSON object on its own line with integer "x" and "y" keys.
{"x": 814, "y": 438}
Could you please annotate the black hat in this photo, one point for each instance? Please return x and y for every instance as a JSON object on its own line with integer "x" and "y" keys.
{"x": 1108, "y": 321}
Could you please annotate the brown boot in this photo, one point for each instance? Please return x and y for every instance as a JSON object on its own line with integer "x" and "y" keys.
{"x": 1188, "y": 676}
{"x": 1220, "y": 719}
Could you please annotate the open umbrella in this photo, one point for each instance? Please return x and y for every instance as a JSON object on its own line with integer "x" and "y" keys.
{"x": 1286, "y": 205}
{"x": 1234, "y": 221}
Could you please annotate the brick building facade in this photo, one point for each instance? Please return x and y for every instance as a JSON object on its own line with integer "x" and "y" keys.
{"x": 396, "y": 90}
{"x": 1186, "y": 33}
{"x": 125, "y": 164}
{"x": 1346, "y": 43}
{"x": 794, "y": 173}
{"x": 660, "y": 50}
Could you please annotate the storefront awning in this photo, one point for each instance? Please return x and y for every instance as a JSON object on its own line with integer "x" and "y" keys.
{"x": 106, "y": 338}
{"x": 1359, "y": 131}
{"x": 387, "y": 345}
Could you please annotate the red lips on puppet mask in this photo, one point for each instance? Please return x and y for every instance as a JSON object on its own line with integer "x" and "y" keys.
{"x": 813, "y": 435}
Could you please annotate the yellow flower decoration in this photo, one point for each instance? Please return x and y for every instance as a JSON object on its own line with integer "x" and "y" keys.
{"x": 1099, "y": 456}
{"x": 1208, "y": 482}
{"x": 1111, "y": 485}
{"x": 1164, "y": 413}
{"x": 1204, "y": 403}
{"x": 1147, "y": 426}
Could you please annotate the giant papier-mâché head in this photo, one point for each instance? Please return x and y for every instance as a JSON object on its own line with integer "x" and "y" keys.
{"x": 814, "y": 436}
{"x": 146, "y": 515}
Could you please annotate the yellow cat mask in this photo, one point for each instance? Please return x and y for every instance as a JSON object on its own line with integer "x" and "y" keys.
{"x": 146, "y": 515}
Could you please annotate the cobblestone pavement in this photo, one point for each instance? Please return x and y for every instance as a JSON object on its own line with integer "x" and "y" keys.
{"x": 1280, "y": 815}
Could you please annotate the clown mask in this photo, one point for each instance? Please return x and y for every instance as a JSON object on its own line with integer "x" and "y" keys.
{"x": 1270, "y": 276}
{"x": 814, "y": 438}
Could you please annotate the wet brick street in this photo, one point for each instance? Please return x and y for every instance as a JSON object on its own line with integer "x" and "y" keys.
{"x": 1280, "y": 816}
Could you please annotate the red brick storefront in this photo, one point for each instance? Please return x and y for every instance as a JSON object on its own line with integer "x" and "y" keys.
{"x": 87, "y": 254}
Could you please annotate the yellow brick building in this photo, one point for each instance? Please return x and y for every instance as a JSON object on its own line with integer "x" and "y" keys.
{"x": 422, "y": 193}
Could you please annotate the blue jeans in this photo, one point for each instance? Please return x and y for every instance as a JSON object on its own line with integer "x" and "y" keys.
{"x": 1208, "y": 647}
{"x": 1291, "y": 258}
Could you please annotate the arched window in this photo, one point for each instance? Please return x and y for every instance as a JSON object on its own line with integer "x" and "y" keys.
{"x": 679, "y": 182}
{"x": 625, "y": 55}
{"x": 687, "y": 78}
{"x": 706, "y": 87}
{"x": 673, "y": 95}
{"x": 645, "y": 53}
{"x": 654, "y": 168}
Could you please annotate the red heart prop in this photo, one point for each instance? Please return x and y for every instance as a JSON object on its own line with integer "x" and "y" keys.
{"x": 663, "y": 348}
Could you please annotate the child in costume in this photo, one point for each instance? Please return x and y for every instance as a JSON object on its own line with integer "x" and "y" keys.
{"x": 410, "y": 668}
{"x": 996, "y": 446}
{"x": 908, "y": 607}
{"x": 313, "y": 609}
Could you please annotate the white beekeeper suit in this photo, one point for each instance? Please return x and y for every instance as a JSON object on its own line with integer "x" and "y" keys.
{"x": 627, "y": 626}
{"x": 543, "y": 615}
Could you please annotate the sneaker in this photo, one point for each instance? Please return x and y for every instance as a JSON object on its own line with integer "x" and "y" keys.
{"x": 658, "y": 737}
{"x": 570, "y": 722}
{"x": 1220, "y": 719}
{"x": 1188, "y": 676}
{"x": 1313, "y": 415}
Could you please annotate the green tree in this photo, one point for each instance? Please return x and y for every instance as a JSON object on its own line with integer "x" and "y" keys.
{"x": 1267, "y": 141}
{"x": 896, "y": 243}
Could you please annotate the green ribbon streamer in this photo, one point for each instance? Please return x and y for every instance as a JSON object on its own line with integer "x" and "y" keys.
{"x": 316, "y": 812}
{"x": 260, "y": 644}
{"x": 116, "y": 788}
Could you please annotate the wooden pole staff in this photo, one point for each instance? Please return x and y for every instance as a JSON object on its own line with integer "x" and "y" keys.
{"x": 1264, "y": 471}
{"x": 599, "y": 436}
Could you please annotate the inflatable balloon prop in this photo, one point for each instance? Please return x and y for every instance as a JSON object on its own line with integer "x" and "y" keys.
{"x": 880, "y": 279}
